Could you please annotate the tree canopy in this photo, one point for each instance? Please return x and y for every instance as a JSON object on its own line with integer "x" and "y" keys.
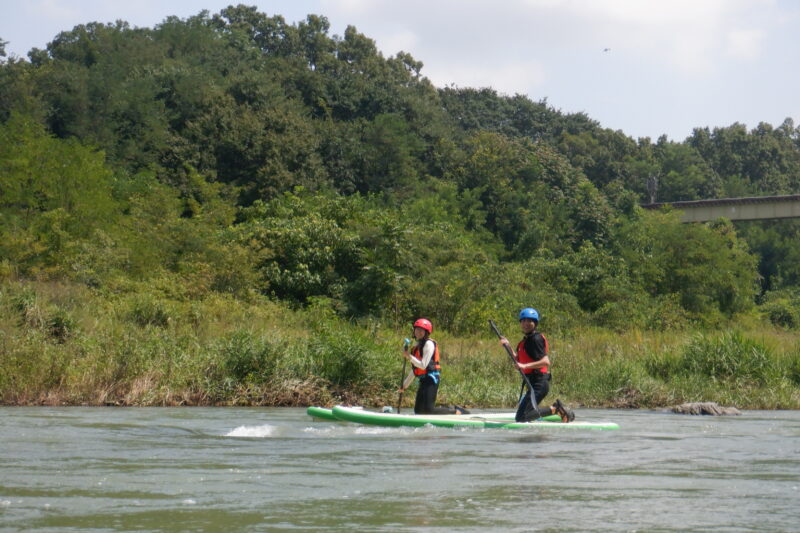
{"x": 237, "y": 152}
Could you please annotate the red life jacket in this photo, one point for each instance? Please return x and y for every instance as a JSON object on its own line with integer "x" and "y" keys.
{"x": 525, "y": 358}
{"x": 433, "y": 365}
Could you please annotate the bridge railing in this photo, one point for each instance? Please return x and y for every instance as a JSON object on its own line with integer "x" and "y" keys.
{"x": 751, "y": 208}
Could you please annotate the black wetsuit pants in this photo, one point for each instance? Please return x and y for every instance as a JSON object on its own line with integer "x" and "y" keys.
{"x": 541, "y": 386}
{"x": 426, "y": 399}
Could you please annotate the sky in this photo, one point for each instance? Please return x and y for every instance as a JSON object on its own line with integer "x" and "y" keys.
{"x": 645, "y": 67}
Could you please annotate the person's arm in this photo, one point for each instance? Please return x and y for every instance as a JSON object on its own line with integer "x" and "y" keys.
{"x": 544, "y": 361}
{"x": 409, "y": 379}
{"x": 505, "y": 342}
{"x": 427, "y": 354}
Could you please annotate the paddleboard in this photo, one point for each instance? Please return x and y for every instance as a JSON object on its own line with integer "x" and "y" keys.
{"x": 483, "y": 420}
{"x": 324, "y": 413}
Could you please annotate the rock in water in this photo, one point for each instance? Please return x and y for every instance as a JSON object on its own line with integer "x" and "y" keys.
{"x": 704, "y": 408}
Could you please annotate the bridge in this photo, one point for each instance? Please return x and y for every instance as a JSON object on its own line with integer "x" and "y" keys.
{"x": 753, "y": 208}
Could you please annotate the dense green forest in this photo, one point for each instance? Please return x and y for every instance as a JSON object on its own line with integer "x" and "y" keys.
{"x": 218, "y": 191}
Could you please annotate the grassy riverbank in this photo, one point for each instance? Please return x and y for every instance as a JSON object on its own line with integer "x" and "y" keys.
{"x": 69, "y": 345}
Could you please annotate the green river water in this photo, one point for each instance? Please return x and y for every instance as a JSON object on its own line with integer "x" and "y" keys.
{"x": 253, "y": 469}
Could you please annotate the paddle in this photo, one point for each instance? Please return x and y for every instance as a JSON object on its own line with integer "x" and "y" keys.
{"x": 514, "y": 361}
{"x": 406, "y": 344}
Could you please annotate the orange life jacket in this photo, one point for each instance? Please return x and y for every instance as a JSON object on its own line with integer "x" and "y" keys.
{"x": 433, "y": 365}
{"x": 525, "y": 358}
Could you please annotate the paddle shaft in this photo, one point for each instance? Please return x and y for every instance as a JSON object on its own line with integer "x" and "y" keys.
{"x": 510, "y": 353}
{"x": 402, "y": 379}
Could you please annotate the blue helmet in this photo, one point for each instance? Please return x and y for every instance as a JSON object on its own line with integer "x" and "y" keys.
{"x": 529, "y": 312}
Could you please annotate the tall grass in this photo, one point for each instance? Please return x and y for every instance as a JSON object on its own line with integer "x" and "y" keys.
{"x": 65, "y": 344}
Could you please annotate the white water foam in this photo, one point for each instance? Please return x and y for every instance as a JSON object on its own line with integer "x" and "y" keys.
{"x": 253, "y": 431}
{"x": 360, "y": 430}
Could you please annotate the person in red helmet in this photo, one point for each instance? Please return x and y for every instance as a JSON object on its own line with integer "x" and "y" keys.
{"x": 424, "y": 359}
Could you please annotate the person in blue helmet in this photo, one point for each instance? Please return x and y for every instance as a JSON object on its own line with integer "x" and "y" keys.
{"x": 532, "y": 359}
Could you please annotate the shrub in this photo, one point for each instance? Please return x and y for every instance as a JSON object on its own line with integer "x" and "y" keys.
{"x": 55, "y": 321}
{"x": 246, "y": 356}
{"x": 782, "y": 312}
{"x": 664, "y": 364}
{"x": 730, "y": 356}
{"x": 31, "y": 313}
{"x": 147, "y": 310}
{"x": 792, "y": 369}
{"x": 60, "y": 325}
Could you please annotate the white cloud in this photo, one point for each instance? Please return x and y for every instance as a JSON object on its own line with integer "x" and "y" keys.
{"x": 401, "y": 40}
{"x": 509, "y": 78}
{"x": 745, "y": 44}
{"x": 688, "y": 36}
{"x": 54, "y": 10}
{"x": 663, "y": 14}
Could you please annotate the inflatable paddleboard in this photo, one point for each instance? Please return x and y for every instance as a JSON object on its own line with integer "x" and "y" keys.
{"x": 482, "y": 420}
{"x": 324, "y": 413}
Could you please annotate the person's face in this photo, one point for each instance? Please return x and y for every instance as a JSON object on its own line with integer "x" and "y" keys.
{"x": 419, "y": 333}
{"x": 527, "y": 325}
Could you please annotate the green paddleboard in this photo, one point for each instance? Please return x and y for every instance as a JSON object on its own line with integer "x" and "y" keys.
{"x": 322, "y": 413}
{"x": 483, "y": 420}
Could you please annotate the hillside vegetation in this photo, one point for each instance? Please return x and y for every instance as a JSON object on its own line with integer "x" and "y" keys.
{"x": 234, "y": 209}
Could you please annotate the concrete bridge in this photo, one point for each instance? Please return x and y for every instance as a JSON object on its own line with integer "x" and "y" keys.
{"x": 754, "y": 208}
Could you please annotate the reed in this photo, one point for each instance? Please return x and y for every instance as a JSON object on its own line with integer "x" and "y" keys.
{"x": 64, "y": 344}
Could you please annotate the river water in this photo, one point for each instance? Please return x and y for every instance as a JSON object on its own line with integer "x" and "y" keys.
{"x": 252, "y": 469}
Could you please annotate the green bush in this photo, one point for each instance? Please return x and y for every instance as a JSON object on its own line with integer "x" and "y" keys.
{"x": 147, "y": 310}
{"x": 31, "y": 312}
{"x": 728, "y": 357}
{"x": 782, "y": 312}
{"x": 60, "y": 325}
{"x": 346, "y": 356}
{"x": 664, "y": 365}
{"x": 616, "y": 381}
{"x": 247, "y": 356}
{"x": 792, "y": 369}
{"x": 53, "y": 320}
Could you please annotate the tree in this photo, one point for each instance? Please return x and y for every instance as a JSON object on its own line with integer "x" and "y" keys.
{"x": 53, "y": 193}
{"x": 707, "y": 266}
{"x": 684, "y": 174}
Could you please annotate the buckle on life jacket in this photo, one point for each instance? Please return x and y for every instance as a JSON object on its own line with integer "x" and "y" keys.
{"x": 434, "y": 376}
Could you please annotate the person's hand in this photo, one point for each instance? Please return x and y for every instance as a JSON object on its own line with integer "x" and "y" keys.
{"x": 503, "y": 341}
{"x": 401, "y": 389}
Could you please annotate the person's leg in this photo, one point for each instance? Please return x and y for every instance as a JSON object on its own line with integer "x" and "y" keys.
{"x": 566, "y": 414}
{"x": 541, "y": 387}
{"x": 419, "y": 402}
{"x": 526, "y": 412}
{"x": 524, "y": 406}
{"x": 426, "y": 396}
{"x": 428, "y": 389}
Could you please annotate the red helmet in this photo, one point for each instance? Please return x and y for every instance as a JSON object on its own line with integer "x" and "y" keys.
{"x": 425, "y": 324}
